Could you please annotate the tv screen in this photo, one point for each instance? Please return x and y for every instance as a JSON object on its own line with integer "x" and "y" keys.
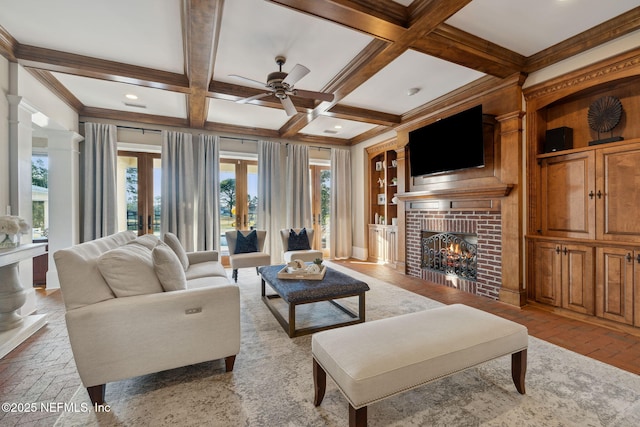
{"x": 450, "y": 144}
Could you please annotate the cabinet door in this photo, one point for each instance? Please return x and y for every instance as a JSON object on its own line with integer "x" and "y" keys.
{"x": 392, "y": 245}
{"x": 567, "y": 209}
{"x": 615, "y": 281}
{"x": 376, "y": 247}
{"x": 547, "y": 273}
{"x": 577, "y": 278}
{"x": 618, "y": 193}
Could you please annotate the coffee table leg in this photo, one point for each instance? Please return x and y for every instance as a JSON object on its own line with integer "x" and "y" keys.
{"x": 361, "y": 307}
{"x": 292, "y": 320}
{"x": 263, "y": 290}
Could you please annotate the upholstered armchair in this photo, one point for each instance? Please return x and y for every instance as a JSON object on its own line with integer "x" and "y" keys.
{"x": 247, "y": 250}
{"x": 296, "y": 246}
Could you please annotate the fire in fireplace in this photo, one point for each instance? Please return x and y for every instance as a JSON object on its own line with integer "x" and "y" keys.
{"x": 450, "y": 253}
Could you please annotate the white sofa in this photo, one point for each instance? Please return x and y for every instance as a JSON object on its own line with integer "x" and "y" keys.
{"x": 114, "y": 336}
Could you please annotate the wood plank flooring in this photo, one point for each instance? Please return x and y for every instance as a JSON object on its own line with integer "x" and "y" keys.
{"x": 42, "y": 368}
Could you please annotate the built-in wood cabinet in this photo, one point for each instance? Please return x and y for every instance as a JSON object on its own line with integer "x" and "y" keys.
{"x": 383, "y": 244}
{"x": 617, "y": 275}
{"x": 583, "y": 234}
{"x": 383, "y": 204}
{"x": 564, "y": 275}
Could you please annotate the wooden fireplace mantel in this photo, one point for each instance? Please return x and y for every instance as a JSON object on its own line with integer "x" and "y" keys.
{"x": 484, "y": 192}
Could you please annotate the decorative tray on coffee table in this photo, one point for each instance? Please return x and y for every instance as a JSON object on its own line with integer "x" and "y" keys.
{"x": 301, "y": 274}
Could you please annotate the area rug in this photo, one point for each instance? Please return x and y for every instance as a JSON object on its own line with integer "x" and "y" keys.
{"x": 272, "y": 383}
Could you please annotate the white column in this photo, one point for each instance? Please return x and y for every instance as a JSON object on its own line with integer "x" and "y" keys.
{"x": 64, "y": 202}
{"x": 20, "y": 147}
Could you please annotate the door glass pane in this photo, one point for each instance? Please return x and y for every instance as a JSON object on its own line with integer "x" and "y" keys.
{"x": 157, "y": 182}
{"x": 252, "y": 194}
{"x": 128, "y": 199}
{"x": 39, "y": 196}
{"x": 227, "y": 203}
{"x": 325, "y": 206}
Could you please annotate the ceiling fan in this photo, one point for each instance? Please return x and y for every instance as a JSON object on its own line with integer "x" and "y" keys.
{"x": 281, "y": 85}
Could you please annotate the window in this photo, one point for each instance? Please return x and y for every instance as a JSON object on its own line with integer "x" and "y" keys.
{"x": 40, "y": 195}
{"x": 238, "y": 182}
{"x": 139, "y": 180}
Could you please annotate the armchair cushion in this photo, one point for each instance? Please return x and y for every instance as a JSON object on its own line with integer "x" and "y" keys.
{"x": 298, "y": 241}
{"x": 174, "y": 243}
{"x": 246, "y": 244}
{"x": 168, "y": 268}
{"x": 129, "y": 271}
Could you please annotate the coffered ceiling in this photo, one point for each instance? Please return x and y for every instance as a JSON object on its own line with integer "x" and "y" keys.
{"x": 179, "y": 58}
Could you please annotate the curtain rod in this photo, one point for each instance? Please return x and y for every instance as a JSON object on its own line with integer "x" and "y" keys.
{"x": 143, "y": 130}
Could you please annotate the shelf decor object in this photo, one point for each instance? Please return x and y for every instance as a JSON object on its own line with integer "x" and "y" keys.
{"x": 604, "y": 114}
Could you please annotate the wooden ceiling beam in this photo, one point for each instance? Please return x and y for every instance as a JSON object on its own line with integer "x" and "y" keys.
{"x": 457, "y": 46}
{"x": 608, "y": 30}
{"x": 363, "y": 115}
{"x": 367, "y": 17}
{"x": 201, "y": 28}
{"x": 8, "y": 45}
{"x": 128, "y": 116}
{"x": 84, "y": 66}
{"x": 47, "y": 79}
{"x": 378, "y": 56}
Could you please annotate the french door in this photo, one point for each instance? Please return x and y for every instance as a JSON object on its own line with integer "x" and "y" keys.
{"x": 320, "y": 206}
{"x": 238, "y": 197}
{"x": 139, "y": 180}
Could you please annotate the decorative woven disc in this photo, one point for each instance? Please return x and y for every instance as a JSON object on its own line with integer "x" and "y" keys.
{"x": 604, "y": 113}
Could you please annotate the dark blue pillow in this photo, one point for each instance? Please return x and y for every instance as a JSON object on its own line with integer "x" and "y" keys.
{"x": 246, "y": 244}
{"x": 298, "y": 242}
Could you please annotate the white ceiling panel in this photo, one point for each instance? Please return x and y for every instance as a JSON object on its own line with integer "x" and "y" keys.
{"x": 146, "y": 33}
{"x": 111, "y": 95}
{"x": 326, "y": 126}
{"x": 253, "y": 116}
{"x": 254, "y": 32}
{"x": 387, "y": 90}
{"x": 527, "y": 27}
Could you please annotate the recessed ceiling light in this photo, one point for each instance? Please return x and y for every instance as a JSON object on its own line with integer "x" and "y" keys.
{"x": 131, "y": 96}
{"x": 337, "y": 127}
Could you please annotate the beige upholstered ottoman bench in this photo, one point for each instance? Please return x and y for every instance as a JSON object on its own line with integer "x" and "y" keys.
{"x": 374, "y": 360}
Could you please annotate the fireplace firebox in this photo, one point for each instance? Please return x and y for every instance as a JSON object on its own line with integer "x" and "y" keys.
{"x": 450, "y": 253}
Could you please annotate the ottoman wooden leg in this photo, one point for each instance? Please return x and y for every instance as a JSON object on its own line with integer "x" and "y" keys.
{"x": 319, "y": 383}
{"x": 357, "y": 417}
{"x": 519, "y": 369}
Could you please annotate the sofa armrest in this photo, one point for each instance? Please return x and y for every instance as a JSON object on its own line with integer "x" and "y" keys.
{"x": 126, "y": 337}
{"x": 202, "y": 256}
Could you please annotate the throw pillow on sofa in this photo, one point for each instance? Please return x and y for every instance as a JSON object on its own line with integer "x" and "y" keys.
{"x": 129, "y": 271}
{"x": 298, "y": 241}
{"x": 168, "y": 268}
{"x": 148, "y": 240}
{"x": 174, "y": 243}
{"x": 246, "y": 244}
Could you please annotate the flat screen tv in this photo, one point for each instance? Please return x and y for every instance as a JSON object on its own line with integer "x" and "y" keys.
{"x": 450, "y": 144}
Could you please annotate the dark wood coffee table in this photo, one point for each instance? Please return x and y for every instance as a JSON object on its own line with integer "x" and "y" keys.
{"x": 335, "y": 285}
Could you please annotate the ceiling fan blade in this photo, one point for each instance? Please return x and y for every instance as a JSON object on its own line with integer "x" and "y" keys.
{"x": 248, "y": 80}
{"x": 288, "y": 106}
{"x": 253, "y": 98}
{"x": 322, "y": 96}
{"x": 298, "y": 72}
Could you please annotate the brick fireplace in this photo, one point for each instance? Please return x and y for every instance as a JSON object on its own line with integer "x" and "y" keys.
{"x": 485, "y": 224}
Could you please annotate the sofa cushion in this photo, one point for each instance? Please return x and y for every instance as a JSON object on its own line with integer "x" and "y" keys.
{"x": 205, "y": 282}
{"x": 150, "y": 241}
{"x": 174, "y": 243}
{"x": 80, "y": 280}
{"x": 205, "y": 269}
{"x": 246, "y": 244}
{"x": 168, "y": 268}
{"x": 129, "y": 271}
{"x": 298, "y": 241}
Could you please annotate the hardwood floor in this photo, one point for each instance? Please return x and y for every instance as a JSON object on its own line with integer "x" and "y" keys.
{"x": 42, "y": 368}
{"x": 610, "y": 346}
